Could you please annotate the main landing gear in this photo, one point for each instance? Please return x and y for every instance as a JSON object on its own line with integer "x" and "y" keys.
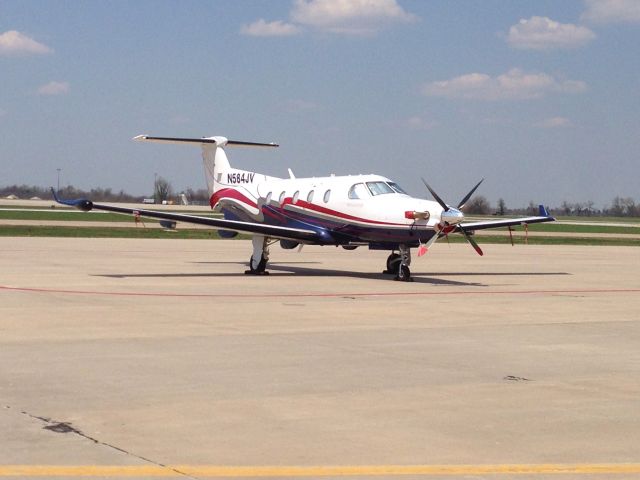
{"x": 398, "y": 264}
{"x": 260, "y": 257}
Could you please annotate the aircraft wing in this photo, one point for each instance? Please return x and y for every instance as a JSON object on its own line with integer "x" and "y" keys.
{"x": 511, "y": 222}
{"x": 298, "y": 234}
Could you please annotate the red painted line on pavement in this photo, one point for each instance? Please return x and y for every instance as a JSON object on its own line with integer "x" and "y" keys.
{"x": 319, "y": 295}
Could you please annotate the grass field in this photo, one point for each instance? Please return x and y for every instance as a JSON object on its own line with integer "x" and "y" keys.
{"x": 581, "y": 234}
{"x": 571, "y": 228}
{"x": 105, "y": 232}
{"x": 78, "y": 216}
{"x": 119, "y": 232}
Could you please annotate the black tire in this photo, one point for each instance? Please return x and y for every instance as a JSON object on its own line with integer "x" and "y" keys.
{"x": 404, "y": 275}
{"x": 260, "y": 270}
{"x": 392, "y": 262}
{"x": 262, "y": 266}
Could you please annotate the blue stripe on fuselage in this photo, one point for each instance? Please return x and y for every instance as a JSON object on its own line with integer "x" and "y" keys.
{"x": 339, "y": 232}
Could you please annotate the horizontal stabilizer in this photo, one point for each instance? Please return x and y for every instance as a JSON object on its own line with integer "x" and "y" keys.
{"x": 221, "y": 141}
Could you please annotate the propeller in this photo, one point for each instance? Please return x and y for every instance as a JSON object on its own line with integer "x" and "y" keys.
{"x": 446, "y": 207}
{"x": 435, "y": 195}
{"x": 473, "y": 243}
{"x": 466, "y": 198}
{"x": 454, "y": 215}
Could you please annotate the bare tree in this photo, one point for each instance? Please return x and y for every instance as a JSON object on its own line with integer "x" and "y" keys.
{"x": 478, "y": 205}
{"x": 200, "y": 195}
{"x": 624, "y": 206}
{"x": 502, "y": 206}
{"x": 588, "y": 208}
{"x": 163, "y": 190}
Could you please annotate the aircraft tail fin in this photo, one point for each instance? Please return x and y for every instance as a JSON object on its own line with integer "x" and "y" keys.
{"x": 214, "y": 158}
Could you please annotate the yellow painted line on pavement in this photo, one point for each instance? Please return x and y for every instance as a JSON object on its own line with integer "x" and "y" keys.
{"x": 211, "y": 471}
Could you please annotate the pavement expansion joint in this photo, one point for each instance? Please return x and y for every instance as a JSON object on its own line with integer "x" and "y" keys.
{"x": 66, "y": 427}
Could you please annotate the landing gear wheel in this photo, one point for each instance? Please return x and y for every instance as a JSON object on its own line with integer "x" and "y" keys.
{"x": 261, "y": 268}
{"x": 392, "y": 264}
{"x": 404, "y": 274}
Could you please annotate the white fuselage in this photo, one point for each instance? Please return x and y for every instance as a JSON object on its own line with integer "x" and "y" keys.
{"x": 360, "y": 208}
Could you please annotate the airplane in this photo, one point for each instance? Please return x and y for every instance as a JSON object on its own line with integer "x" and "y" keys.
{"x": 347, "y": 211}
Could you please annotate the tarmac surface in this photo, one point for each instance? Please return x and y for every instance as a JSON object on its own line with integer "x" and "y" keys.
{"x": 146, "y": 358}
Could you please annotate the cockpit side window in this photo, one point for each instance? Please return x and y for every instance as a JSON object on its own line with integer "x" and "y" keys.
{"x": 358, "y": 191}
{"x": 379, "y": 188}
{"x": 397, "y": 188}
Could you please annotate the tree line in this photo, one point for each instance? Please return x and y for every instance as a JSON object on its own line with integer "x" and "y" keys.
{"x": 620, "y": 207}
{"x": 162, "y": 192}
{"x": 478, "y": 205}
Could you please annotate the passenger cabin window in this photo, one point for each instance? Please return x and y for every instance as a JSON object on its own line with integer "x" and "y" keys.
{"x": 267, "y": 200}
{"x": 327, "y": 195}
{"x": 282, "y": 197}
{"x": 379, "y": 188}
{"x": 358, "y": 191}
{"x": 295, "y": 197}
{"x": 310, "y": 196}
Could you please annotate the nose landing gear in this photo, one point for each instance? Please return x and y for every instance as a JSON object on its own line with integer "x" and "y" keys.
{"x": 398, "y": 264}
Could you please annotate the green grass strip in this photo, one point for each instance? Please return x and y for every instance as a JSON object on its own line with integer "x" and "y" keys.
{"x": 549, "y": 240}
{"x": 570, "y": 228}
{"x": 106, "y": 232}
{"x": 77, "y": 216}
{"x": 119, "y": 232}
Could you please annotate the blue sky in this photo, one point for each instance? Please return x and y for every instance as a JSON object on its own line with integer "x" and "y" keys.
{"x": 541, "y": 98}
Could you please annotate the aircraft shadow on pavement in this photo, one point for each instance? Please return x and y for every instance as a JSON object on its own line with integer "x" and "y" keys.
{"x": 245, "y": 263}
{"x": 289, "y": 269}
{"x": 297, "y": 272}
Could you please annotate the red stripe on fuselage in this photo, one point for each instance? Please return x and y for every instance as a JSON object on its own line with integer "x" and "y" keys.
{"x": 234, "y": 194}
{"x": 231, "y": 193}
{"x": 327, "y": 211}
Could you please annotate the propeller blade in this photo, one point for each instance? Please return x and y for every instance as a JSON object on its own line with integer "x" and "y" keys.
{"x": 435, "y": 196}
{"x": 468, "y": 195}
{"x": 473, "y": 243}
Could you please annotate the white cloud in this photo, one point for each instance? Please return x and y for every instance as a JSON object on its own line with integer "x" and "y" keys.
{"x": 351, "y": 17}
{"x": 542, "y": 33}
{"x": 54, "y": 88}
{"x": 513, "y": 85}
{"x": 554, "y": 122}
{"x": 16, "y": 43}
{"x": 355, "y": 17}
{"x": 419, "y": 123}
{"x": 612, "y": 11}
{"x": 262, "y": 28}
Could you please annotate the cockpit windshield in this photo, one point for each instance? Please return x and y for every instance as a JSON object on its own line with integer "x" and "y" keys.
{"x": 380, "y": 188}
